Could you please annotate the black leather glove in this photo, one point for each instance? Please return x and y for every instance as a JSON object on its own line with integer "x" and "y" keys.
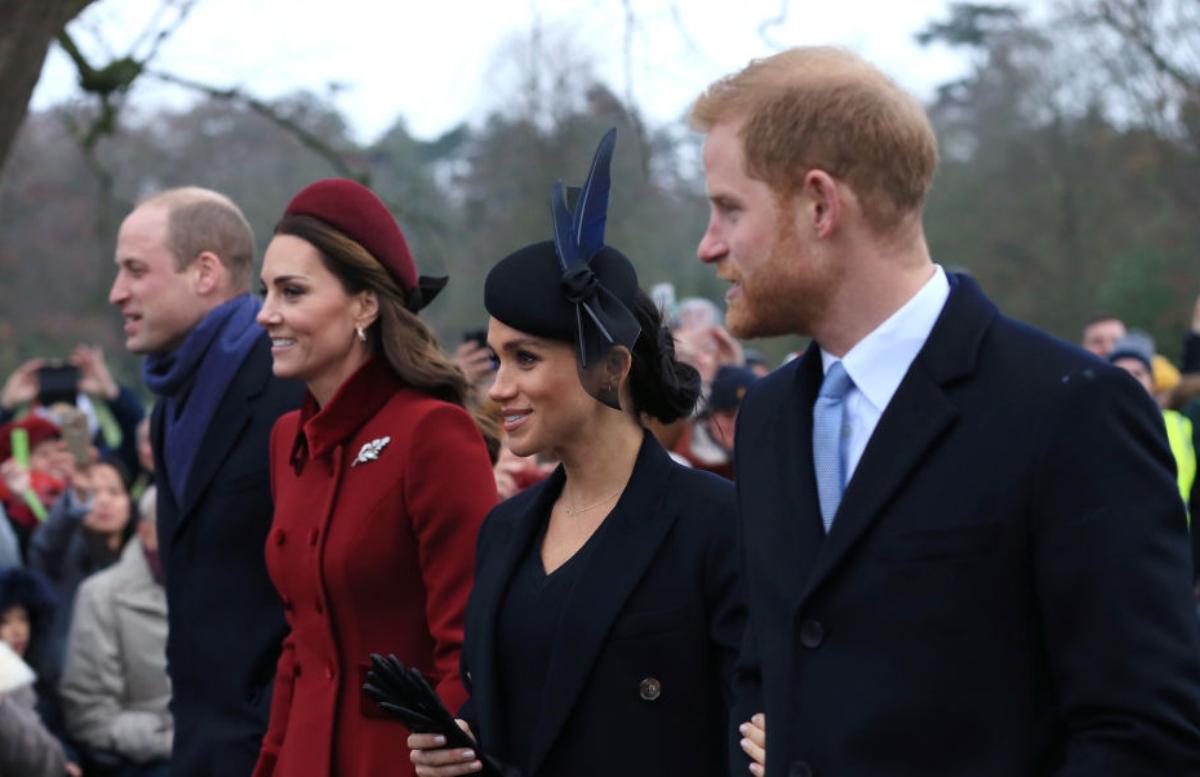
{"x": 403, "y": 693}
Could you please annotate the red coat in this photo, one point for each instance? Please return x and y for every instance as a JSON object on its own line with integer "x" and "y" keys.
{"x": 373, "y": 556}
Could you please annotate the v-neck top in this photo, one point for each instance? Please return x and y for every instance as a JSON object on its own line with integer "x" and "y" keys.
{"x": 527, "y": 626}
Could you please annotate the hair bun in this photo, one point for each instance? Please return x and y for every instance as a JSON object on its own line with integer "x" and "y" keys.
{"x": 662, "y": 386}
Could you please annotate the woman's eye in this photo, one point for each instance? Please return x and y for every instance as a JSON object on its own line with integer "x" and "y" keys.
{"x": 291, "y": 292}
{"x": 525, "y": 358}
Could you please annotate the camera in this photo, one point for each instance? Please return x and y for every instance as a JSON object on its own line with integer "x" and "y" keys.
{"x": 58, "y": 383}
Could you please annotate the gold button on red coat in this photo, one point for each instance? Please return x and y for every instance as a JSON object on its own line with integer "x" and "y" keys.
{"x": 650, "y": 689}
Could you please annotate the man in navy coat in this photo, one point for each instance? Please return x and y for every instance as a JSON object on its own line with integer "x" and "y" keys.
{"x": 184, "y": 260}
{"x": 964, "y": 552}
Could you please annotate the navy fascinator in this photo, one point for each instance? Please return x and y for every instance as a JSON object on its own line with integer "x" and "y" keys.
{"x": 574, "y": 288}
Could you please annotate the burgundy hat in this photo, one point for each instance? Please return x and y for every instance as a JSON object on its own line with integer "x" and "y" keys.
{"x": 355, "y": 211}
{"x": 38, "y": 429}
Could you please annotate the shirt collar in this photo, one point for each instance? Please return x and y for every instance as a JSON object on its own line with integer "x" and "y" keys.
{"x": 354, "y": 403}
{"x": 879, "y": 361}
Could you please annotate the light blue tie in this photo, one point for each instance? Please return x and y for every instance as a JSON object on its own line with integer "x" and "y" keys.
{"x": 829, "y": 440}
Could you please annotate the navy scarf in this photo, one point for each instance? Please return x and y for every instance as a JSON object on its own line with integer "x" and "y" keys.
{"x": 193, "y": 379}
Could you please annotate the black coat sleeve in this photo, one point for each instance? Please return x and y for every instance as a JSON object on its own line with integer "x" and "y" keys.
{"x": 1113, "y": 576}
{"x": 467, "y": 711}
{"x": 747, "y": 671}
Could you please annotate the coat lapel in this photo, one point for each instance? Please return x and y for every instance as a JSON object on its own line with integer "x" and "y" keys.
{"x": 785, "y": 499}
{"x": 168, "y": 515}
{"x": 230, "y": 420}
{"x": 917, "y": 416}
{"x": 491, "y": 586}
{"x": 631, "y": 538}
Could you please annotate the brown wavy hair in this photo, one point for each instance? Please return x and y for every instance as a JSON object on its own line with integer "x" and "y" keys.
{"x": 409, "y": 345}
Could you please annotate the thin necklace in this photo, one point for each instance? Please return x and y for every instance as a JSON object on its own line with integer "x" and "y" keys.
{"x": 577, "y": 510}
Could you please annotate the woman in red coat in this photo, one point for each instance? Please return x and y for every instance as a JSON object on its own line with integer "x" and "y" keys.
{"x": 381, "y": 481}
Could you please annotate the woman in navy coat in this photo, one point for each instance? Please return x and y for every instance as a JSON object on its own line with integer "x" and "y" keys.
{"x": 605, "y": 617}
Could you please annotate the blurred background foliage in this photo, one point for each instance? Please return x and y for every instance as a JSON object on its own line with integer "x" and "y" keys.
{"x": 1069, "y": 184}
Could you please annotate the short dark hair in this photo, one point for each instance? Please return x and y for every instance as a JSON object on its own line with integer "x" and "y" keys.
{"x": 1102, "y": 317}
{"x": 201, "y": 220}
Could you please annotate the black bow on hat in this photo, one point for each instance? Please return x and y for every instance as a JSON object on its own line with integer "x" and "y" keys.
{"x": 602, "y": 320}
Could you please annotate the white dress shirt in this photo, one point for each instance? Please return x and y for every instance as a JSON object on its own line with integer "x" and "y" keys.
{"x": 879, "y": 361}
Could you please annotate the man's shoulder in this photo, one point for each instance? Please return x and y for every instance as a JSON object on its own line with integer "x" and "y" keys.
{"x": 1023, "y": 353}
{"x": 779, "y": 381}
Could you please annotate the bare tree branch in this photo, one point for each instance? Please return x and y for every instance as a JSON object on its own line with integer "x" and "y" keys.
{"x": 627, "y": 47}
{"x": 1132, "y": 23}
{"x": 677, "y": 17}
{"x": 311, "y": 141}
{"x": 778, "y": 20}
{"x": 185, "y": 9}
{"x": 26, "y": 31}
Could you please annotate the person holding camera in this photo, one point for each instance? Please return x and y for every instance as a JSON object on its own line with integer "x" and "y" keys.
{"x": 84, "y": 381}
{"x": 381, "y": 481}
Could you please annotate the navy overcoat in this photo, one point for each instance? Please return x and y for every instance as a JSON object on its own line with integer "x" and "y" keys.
{"x": 1006, "y": 589}
{"x": 225, "y": 619}
{"x": 639, "y": 677}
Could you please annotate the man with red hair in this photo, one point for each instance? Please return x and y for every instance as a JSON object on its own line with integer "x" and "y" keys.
{"x": 961, "y": 540}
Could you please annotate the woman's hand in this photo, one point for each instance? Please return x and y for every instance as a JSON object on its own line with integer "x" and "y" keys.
{"x": 79, "y": 480}
{"x": 754, "y": 743}
{"x": 434, "y": 759}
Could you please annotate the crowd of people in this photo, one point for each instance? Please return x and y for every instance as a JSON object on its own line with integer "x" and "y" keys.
{"x": 610, "y": 538}
{"x": 74, "y": 542}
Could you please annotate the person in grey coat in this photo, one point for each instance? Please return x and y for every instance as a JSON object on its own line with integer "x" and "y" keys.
{"x": 26, "y": 747}
{"x": 115, "y": 690}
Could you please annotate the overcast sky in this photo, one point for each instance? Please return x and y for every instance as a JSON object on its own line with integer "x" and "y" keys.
{"x": 436, "y": 63}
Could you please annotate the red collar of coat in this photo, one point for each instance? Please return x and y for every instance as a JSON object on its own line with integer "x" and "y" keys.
{"x": 356, "y": 401}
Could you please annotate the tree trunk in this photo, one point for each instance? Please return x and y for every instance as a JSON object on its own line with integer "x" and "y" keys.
{"x": 26, "y": 30}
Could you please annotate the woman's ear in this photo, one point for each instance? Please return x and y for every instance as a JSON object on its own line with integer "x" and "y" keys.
{"x": 603, "y": 378}
{"x": 368, "y": 308}
{"x": 618, "y": 361}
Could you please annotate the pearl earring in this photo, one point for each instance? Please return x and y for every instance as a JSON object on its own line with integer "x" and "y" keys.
{"x": 362, "y": 336}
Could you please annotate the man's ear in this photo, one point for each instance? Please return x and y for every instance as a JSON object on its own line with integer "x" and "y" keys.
{"x": 822, "y": 203}
{"x": 209, "y": 274}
